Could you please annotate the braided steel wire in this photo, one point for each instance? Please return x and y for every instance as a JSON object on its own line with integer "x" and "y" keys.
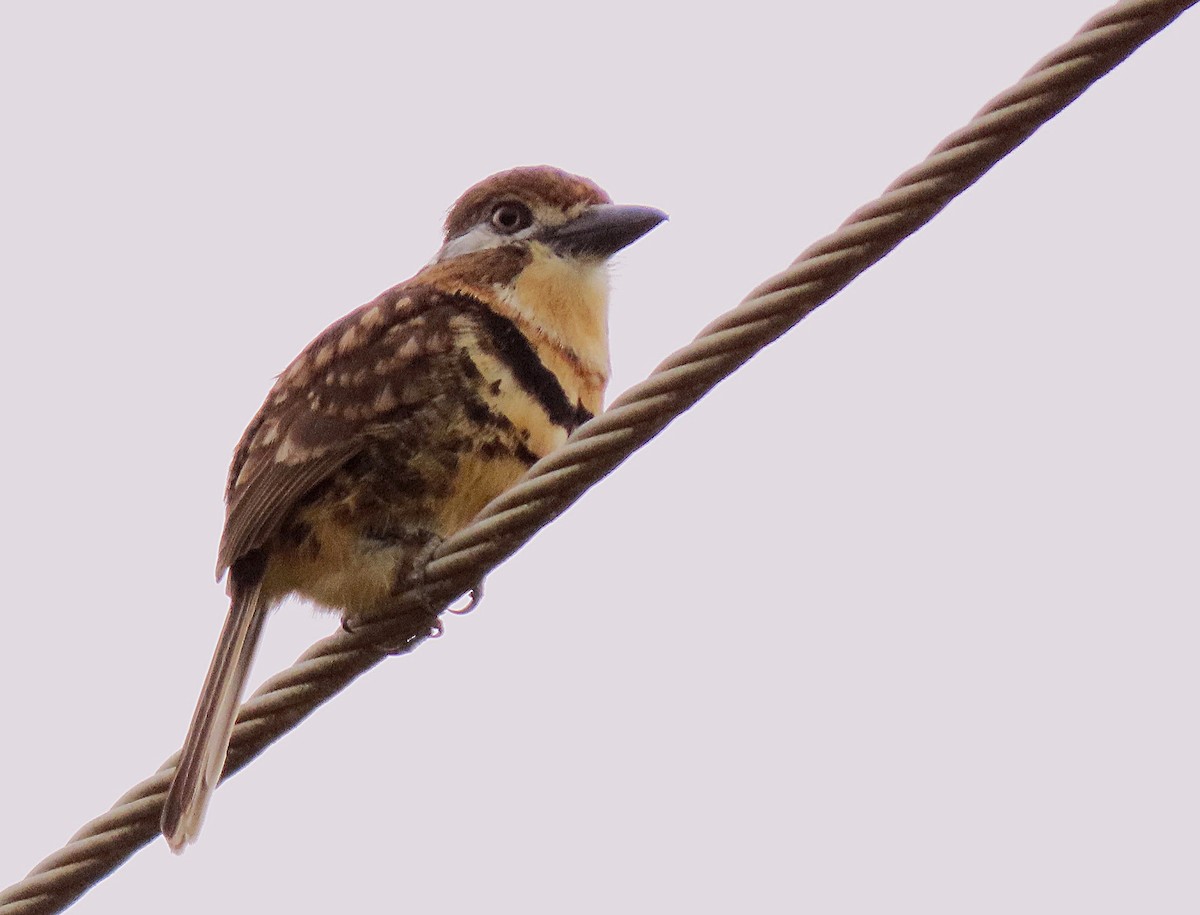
{"x": 599, "y": 446}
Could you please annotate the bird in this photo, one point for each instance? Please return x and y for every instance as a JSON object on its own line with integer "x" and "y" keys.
{"x": 400, "y": 421}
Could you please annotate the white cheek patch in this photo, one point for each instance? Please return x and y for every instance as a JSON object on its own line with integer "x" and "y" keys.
{"x": 479, "y": 238}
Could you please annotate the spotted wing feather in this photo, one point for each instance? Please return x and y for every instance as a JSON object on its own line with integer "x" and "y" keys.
{"x": 374, "y": 362}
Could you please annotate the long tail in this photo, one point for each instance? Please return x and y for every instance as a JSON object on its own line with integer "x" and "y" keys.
{"x": 203, "y": 757}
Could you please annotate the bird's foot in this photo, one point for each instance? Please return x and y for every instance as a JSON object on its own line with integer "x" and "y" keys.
{"x": 476, "y": 598}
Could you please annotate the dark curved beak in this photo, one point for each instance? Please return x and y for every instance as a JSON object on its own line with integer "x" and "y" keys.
{"x": 603, "y": 229}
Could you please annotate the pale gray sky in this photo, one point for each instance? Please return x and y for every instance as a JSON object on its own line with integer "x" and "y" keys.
{"x": 902, "y": 618}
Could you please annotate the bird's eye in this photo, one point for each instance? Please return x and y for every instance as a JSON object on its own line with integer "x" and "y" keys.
{"x": 510, "y": 217}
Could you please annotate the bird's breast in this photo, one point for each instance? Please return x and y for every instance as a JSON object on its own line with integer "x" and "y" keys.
{"x": 430, "y": 467}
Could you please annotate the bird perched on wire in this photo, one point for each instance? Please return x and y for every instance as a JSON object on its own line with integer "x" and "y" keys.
{"x": 394, "y": 427}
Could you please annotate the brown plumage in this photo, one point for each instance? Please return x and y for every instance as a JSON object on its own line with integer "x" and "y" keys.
{"x": 394, "y": 427}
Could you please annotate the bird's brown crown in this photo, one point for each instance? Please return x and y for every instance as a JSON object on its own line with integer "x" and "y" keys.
{"x": 531, "y": 184}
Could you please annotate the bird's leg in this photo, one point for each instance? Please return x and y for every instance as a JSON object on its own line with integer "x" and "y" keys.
{"x": 412, "y": 578}
{"x": 409, "y": 578}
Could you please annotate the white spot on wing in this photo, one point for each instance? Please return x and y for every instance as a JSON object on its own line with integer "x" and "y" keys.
{"x": 349, "y": 340}
{"x": 385, "y": 400}
{"x": 286, "y": 452}
{"x": 372, "y": 317}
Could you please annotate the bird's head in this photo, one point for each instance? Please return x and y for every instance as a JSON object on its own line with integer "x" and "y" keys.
{"x": 567, "y": 215}
{"x": 534, "y": 244}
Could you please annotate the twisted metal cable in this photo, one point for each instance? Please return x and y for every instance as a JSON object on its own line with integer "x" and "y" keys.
{"x": 600, "y": 445}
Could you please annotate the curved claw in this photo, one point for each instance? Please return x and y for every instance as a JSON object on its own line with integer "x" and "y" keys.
{"x": 476, "y": 597}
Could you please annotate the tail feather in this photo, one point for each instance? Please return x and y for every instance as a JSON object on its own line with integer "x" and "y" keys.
{"x": 203, "y": 756}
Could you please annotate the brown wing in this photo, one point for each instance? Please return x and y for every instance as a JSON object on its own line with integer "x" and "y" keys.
{"x": 378, "y": 360}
